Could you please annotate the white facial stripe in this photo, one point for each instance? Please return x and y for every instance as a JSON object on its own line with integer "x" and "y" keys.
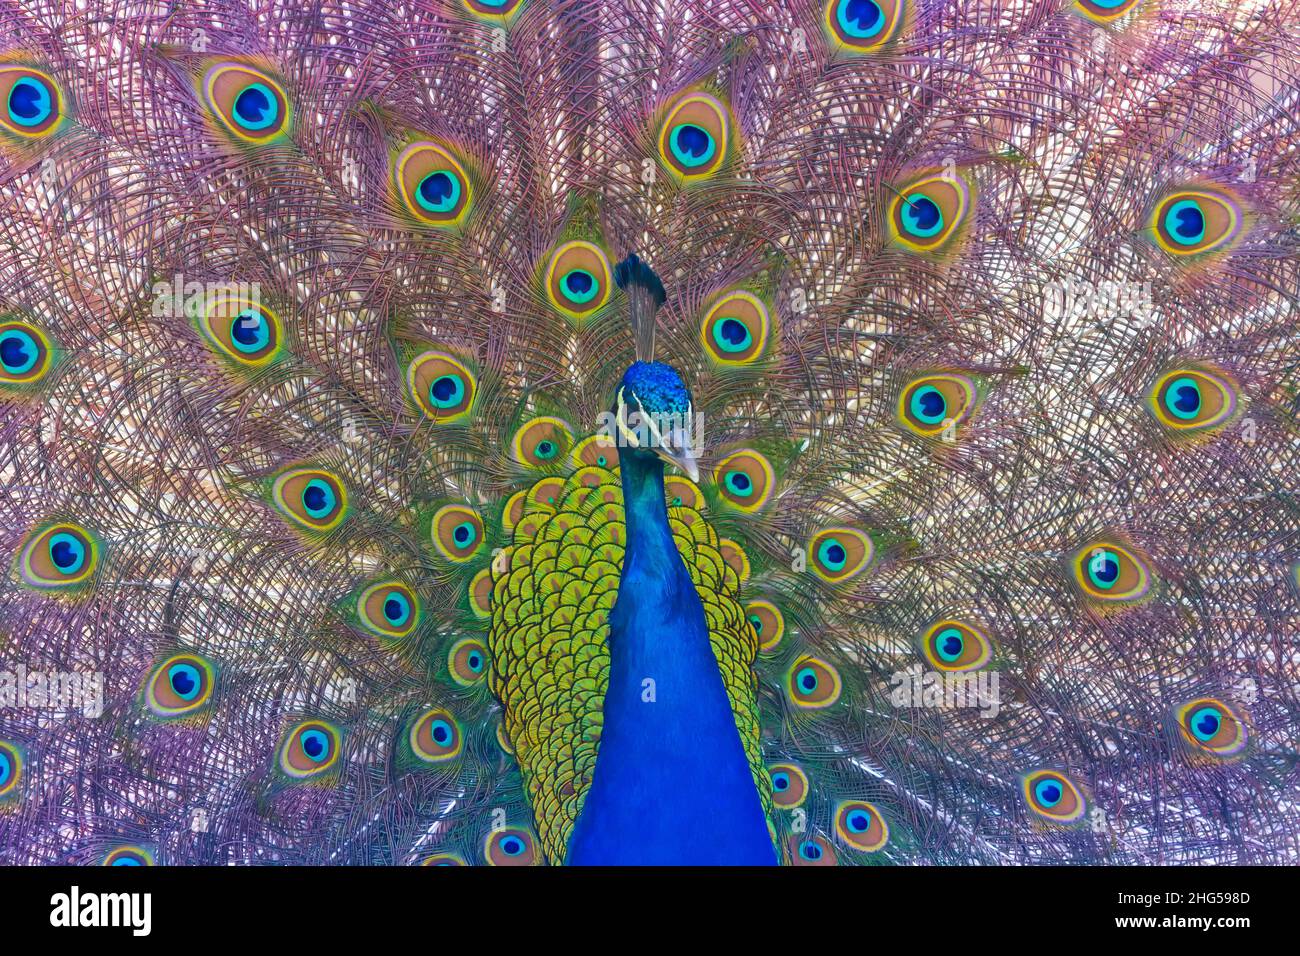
{"x": 625, "y": 432}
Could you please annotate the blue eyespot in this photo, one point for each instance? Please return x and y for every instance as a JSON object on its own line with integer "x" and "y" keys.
{"x": 859, "y": 821}
{"x": 439, "y": 191}
{"x": 1103, "y": 569}
{"x": 185, "y": 680}
{"x": 780, "y": 781}
{"x": 30, "y": 102}
{"x": 861, "y": 19}
{"x": 545, "y": 449}
{"x": 256, "y": 107}
{"x": 1048, "y": 793}
{"x": 757, "y": 623}
{"x": 928, "y": 405}
{"x": 447, "y": 391}
{"x": 732, "y": 335}
{"x": 67, "y": 553}
{"x": 464, "y": 534}
{"x": 806, "y": 679}
{"x": 832, "y": 555}
{"x": 6, "y": 769}
{"x": 692, "y": 145}
{"x": 1183, "y": 398}
{"x": 18, "y": 351}
{"x": 250, "y": 332}
{"x": 949, "y": 643}
{"x": 397, "y": 609}
{"x": 810, "y": 850}
{"x": 1185, "y": 222}
{"x": 475, "y": 661}
{"x": 739, "y": 483}
{"x": 441, "y": 732}
{"x": 580, "y": 286}
{"x": 318, "y": 498}
{"x": 126, "y": 861}
{"x": 1205, "y": 723}
{"x": 922, "y": 216}
{"x": 315, "y": 745}
{"x": 512, "y": 846}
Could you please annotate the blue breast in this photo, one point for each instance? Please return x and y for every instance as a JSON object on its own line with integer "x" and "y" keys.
{"x": 671, "y": 784}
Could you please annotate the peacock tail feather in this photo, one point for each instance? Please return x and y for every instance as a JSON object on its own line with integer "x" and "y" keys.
{"x": 311, "y": 323}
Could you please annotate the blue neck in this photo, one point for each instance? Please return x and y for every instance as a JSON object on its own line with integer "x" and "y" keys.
{"x": 671, "y": 784}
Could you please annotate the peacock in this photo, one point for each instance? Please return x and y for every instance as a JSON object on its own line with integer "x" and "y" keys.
{"x": 522, "y": 432}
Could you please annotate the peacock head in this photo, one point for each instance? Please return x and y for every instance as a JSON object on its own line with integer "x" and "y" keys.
{"x": 652, "y": 409}
{"x": 654, "y": 414}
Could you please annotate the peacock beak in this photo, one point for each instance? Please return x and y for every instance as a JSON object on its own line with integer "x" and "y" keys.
{"x": 675, "y": 448}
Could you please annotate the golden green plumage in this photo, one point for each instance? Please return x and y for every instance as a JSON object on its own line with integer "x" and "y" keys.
{"x": 552, "y": 593}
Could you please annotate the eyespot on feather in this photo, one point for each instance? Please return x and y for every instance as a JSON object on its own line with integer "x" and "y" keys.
{"x": 927, "y": 213}
{"x": 952, "y": 645}
{"x": 441, "y": 386}
{"x": 1052, "y": 797}
{"x": 31, "y": 102}
{"x": 436, "y": 736}
{"x": 182, "y": 685}
{"x": 59, "y": 556}
{"x": 309, "y": 750}
{"x": 694, "y": 137}
{"x": 311, "y": 498}
{"x": 246, "y": 101}
{"x": 457, "y": 533}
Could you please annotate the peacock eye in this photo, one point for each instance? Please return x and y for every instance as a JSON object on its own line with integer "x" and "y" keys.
{"x": 246, "y": 332}
{"x": 813, "y": 683}
{"x": 441, "y": 386}
{"x": 389, "y": 609}
{"x": 435, "y": 737}
{"x": 863, "y": 26}
{"x": 745, "y": 480}
{"x": 512, "y": 846}
{"x": 246, "y": 101}
{"x": 693, "y": 137}
{"x": 812, "y": 851}
{"x": 789, "y": 786}
{"x": 1105, "y": 11}
{"x": 578, "y": 280}
{"x": 768, "y": 623}
{"x": 1191, "y": 400}
{"x": 926, "y": 213}
{"x": 860, "y": 825}
{"x": 539, "y": 442}
{"x": 457, "y": 532}
{"x": 33, "y": 104}
{"x": 59, "y": 556}
{"x": 25, "y": 353}
{"x": 1211, "y": 727}
{"x": 309, "y": 750}
{"x": 467, "y": 662}
{"x": 950, "y": 645}
{"x": 432, "y": 184}
{"x": 1107, "y": 571}
{"x": 311, "y": 498}
{"x": 443, "y": 859}
{"x": 596, "y": 450}
{"x": 180, "y": 686}
{"x": 496, "y": 10}
{"x": 735, "y": 329}
{"x": 932, "y": 404}
{"x": 129, "y": 856}
{"x": 1053, "y": 797}
{"x": 837, "y": 554}
{"x": 1189, "y": 222}
{"x": 11, "y": 768}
